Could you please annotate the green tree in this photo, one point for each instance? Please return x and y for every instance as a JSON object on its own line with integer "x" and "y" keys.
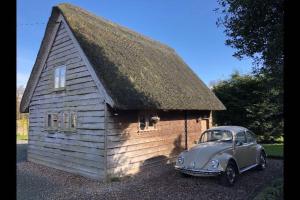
{"x": 255, "y": 29}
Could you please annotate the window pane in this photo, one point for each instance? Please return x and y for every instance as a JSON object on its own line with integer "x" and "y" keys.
{"x": 151, "y": 122}
{"x": 249, "y": 137}
{"x": 66, "y": 120}
{"x": 240, "y": 137}
{"x": 62, "y": 76}
{"x": 142, "y": 122}
{"x": 73, "y": 120}
{"x": 56, "y": 78}
{"x": 49, "y": 120}
{"x": 54, "y": 120}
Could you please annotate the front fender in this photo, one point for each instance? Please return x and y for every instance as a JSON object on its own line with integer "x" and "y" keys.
{"x": 223, "y": 159}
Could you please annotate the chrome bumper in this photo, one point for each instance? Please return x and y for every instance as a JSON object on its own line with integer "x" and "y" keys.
{"x": 198, "y": 172}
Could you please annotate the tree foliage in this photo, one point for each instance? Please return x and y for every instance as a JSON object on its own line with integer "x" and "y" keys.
{"x": 245, "y": 100}
{"x": 254, "y": 29}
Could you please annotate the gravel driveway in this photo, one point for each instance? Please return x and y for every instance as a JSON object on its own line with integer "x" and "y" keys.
{"x": 38, "y": 182}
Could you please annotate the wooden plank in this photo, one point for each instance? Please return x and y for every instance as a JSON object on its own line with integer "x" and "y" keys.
{"x": 66, "y": 147}
{"x": 66, "y": 169}
{"x": 85, "y": 156}
{"x": 78, "y": 75}
{"x": 75, "y": 136}
{"x": 65, "y": 141}
{"x": 61, "y": 36}
{"x": 58, "y": 55}
{"x": 63, "y": 60}
{"x": 67, "y": 158}
{"x": 80, "y": 81}
{"x": 64, "y": 165}
{"x": 61, "y": 40}
{"x": 60, "y": 46}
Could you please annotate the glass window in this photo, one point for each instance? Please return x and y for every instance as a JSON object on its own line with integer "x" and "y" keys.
{"x": 249, "y": 137}
{"x": 49, "y": 120}
{"x": 240, "y": 137}
{"x": 66, "y": 120}
{"x": 60, "y": 77}
{"x": 216, "y": 135}
{"x": 142, "y": 122}
{"x": 148, "y": 121}
{"x": 73, "y": 120}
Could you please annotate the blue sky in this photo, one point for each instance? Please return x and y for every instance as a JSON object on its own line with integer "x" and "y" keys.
{"x": 187, "y": 26}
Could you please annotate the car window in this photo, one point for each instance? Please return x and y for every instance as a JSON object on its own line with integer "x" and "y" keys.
{"x": 216, "y": 135}
{"x": 249, "y": 137}
{"x": 240, "y": 137}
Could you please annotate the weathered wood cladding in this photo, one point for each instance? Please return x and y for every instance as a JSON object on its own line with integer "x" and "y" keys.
{"x": 130, "y": 150}
{"x": 80, "y": 152}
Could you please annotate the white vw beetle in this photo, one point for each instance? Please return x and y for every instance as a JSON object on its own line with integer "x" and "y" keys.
{"x": 226, "y": 151}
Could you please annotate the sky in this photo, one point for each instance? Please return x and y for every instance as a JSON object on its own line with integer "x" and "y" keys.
{"x": 188, "y": 26}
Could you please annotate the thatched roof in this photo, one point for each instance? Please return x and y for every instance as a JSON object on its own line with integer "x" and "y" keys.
{"x": 136, "y": 71}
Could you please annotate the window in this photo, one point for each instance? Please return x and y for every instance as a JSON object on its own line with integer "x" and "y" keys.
{"x": 216, "y": 135}
{"x": 148, "y": 122}
{"x": 60, "y": 77}
{"x": 69, "y": 121}
{"x": 73, "y": 120}
{"x": 249, "y": 136}
{"x": 52, "y": 121}
{"x": 240, "y": 137}
{"x": 65, "y": 120}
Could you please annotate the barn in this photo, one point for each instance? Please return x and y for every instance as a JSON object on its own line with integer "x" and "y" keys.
{"x": 105, "y": 101}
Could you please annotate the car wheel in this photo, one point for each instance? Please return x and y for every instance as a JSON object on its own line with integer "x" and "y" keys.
{"x": 229, "y": 176}
{"x": 262, "y": 161}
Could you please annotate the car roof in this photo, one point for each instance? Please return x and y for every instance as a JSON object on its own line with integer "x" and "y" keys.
{"x": 234, "y": 129}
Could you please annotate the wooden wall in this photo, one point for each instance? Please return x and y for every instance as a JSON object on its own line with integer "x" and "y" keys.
{"x": 129, "y": 151}
{"x": 81, "y": 152}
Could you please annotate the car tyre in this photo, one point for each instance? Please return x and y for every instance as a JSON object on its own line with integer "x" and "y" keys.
{"x": 262, "y": 161}
{"x": 229, "y": 177}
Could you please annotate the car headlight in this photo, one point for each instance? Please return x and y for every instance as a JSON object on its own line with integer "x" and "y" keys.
{"x": 180, "y": 160}
{"x": 213, "y": 164}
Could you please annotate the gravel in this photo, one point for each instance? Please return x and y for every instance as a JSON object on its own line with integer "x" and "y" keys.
{"x": 39, "y": 182}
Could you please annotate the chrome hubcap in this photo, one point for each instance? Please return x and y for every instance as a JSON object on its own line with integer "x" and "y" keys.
{"x": 230, "y": 174}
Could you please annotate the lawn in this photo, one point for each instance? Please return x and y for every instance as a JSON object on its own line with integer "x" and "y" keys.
{"x": 273, "y": 191}
{"x": 22, "y": 137}
{"x": 274, "y": 150}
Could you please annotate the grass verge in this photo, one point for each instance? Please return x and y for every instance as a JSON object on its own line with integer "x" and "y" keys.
{"x": 274, "y": 191}
{"x": 274, "y": 150}
{"x": 22, "y": 137}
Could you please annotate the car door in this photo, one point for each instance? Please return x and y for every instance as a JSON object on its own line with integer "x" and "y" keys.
{"x": 251, "y": 150}
{"x": 240, "y": 149}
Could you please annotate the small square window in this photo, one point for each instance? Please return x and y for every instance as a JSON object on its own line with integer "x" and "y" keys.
{"x": 147, "y": 121}
{"x": 60, "y": 77}
{"x": 52, "y": 121}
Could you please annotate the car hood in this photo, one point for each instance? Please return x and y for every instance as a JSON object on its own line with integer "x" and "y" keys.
{"x": 202, "y": 153}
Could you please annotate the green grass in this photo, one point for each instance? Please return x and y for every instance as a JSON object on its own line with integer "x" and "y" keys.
{"x": 274, "y": 150}
{"x": 22, "y": 137}
{"x": 273, "y": 191}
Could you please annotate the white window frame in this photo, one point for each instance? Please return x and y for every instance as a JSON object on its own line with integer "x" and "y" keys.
{"x": 60, "y": 78}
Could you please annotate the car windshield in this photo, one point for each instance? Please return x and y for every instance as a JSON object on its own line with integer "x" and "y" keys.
{"x": 216, "y": 135}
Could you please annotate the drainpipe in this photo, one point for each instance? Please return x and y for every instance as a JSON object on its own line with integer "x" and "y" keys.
{"x": 185, "y": 130}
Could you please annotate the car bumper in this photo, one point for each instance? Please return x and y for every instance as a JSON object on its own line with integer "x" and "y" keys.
{"x": 198, "y": 172}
